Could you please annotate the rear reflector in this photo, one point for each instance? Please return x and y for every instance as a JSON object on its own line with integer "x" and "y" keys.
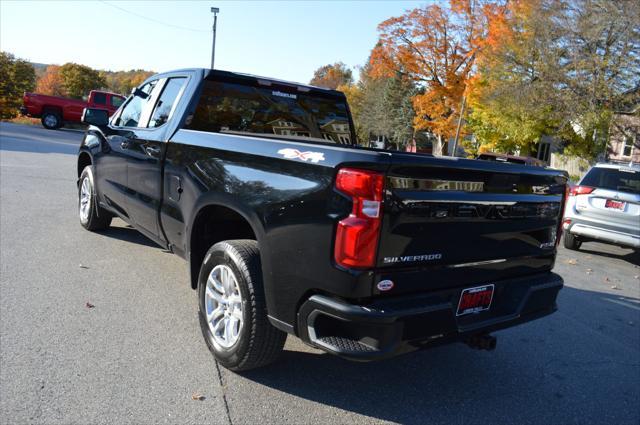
{"x": 357, "y": 235}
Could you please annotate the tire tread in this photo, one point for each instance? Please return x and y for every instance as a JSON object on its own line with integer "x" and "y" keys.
{"x": 99, "y": 218}
{"x": 265, "y": 341}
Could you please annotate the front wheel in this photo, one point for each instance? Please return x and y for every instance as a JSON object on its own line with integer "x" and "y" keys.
{"x": 92, "y": 216}
{"x": 232, "y": 307}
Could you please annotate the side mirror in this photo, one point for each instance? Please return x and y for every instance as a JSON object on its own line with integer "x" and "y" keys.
{"x": 97, "y": 117}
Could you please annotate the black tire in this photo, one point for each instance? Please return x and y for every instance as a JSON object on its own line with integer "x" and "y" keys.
{"x": 96, "y": 217}
{"x": 258, "y": 342}
{"x": 51, "y": 120}
{"x": 571, "y": 242}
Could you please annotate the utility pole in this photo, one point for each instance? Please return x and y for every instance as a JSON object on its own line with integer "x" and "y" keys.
{"x": 455, "y": 142}
{"x": 215, "y": 12}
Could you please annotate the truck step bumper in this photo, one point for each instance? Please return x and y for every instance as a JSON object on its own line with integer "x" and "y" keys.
{"x": 389, "y": 327}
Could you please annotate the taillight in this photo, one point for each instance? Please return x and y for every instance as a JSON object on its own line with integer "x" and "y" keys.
{"x": 580, "y": 190}
{"x": 357, "y": 235}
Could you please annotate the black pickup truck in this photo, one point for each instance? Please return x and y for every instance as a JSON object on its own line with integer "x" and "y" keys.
{"x": 290, "y": 227}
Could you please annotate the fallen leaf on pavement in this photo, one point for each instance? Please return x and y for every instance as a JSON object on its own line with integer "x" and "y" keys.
{"x": 572, "y": 261}
{"x": 83, "y": 266}
{"x": 589, "y": 271}
{"x": 615, "y": 287}
{"x": 89, "y": 305}
{"x": 606, "y": 279}
{"x": 636, "y": 277}
{"x": 196, "y": 396}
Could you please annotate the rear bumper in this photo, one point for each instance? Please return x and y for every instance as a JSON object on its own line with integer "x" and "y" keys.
{"x": 394, "y": 326}
{"x": 588, "y": 231}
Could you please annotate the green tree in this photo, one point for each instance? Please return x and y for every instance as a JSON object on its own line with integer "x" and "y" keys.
{"x": 559, "y": 69}
{"x": 601, "y": 66}
{"x": 78, "y": 80}
{"x": 332, "y": 76}
{"x": 16, "y": 77}
{"x": 397, "y": 99}
{"x": 384, "y": 107}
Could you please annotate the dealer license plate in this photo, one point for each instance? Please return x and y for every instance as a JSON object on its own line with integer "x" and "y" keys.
{"x": 616, "y": 205}
{"x": 475, "y": 300}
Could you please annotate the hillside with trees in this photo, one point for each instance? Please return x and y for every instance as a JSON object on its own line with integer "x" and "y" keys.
{"x": 69, "y": 80}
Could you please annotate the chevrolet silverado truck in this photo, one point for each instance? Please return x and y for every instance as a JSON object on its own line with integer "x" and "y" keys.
{"x": 55, "y": 111}
{"x": 289, "y": 227}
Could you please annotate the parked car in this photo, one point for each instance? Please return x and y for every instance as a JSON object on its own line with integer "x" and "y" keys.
{"x": 55, "y": 111}
{"x": 501, "y": 157}
{"x": 289, "y": 227}
{"x": 605, "y": 207}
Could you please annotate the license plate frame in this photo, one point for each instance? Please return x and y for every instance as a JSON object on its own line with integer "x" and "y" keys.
{"x": 475, "y": 300}
{"x": 614, "y": 204}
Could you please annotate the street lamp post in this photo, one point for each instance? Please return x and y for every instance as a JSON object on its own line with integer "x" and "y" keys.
{"x": 215, "y": 12}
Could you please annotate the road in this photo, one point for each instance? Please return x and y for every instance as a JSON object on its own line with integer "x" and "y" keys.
{"x": 137, "y": 355}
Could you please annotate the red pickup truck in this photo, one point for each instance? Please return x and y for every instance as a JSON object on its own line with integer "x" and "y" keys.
{"x": 54, "y": 111}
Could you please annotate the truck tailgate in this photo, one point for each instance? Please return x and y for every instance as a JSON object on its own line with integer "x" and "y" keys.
{"x": 466, "y": 221}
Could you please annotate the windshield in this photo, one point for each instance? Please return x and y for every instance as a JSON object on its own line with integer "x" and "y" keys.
{"x": 245, "y": 109}
{"x": 613, "y": 179}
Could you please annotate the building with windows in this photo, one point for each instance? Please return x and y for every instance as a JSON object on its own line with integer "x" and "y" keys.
{"x": 336, "y": 130}
{"x": 283, "y": 127}
{"x": 624, "y": 136}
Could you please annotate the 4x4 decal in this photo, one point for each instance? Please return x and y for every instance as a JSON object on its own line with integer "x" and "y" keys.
{"x": 304, "y": 156}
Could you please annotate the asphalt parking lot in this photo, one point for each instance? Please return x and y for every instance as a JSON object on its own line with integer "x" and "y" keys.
{"x": 137, "y": 355}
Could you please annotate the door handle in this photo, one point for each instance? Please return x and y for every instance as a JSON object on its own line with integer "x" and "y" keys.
{"x": 152, "y": 150}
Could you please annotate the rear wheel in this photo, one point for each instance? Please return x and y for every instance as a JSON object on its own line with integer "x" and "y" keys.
{"x": 51, "y": 121}
{"x": 232, "y": 307}
{"x": 92, "y": 216}
{"x": 571, "y": 242}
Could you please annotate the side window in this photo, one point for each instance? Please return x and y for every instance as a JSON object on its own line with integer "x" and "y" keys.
{"x": 163, "y": 108}
{"x": 132, "y": 111}
{"x": 116, "y": 101}
{"x": 100, "y": 98}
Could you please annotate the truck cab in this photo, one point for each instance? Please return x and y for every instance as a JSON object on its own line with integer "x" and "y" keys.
{"x": 55, "y": 111}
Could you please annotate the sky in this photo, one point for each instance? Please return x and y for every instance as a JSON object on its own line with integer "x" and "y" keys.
{"x": 281, "y": 39}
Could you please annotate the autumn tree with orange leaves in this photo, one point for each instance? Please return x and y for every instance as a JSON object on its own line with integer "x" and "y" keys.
{"x": 51, "y": 82}
{"x": 436, "y": 46}
{"x": 332, "y": 76}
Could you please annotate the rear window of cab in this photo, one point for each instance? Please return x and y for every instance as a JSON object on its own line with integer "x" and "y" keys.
{"x": 243, "y": 109}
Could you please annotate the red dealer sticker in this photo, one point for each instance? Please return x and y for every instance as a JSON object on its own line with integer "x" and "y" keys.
{"x": 475, "y": 300}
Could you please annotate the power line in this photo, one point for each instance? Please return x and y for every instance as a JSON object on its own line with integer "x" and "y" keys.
{"x": 151, "y": 19}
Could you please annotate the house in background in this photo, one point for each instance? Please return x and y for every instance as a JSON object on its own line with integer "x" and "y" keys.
{"x": 624, "y": 136}
{"x": 333, "y": 131}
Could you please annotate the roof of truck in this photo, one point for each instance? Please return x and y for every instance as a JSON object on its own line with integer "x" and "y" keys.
{"x": 257, "y": 78}
{"x": 254, "y": 78}
{"x": 274, "y": 80}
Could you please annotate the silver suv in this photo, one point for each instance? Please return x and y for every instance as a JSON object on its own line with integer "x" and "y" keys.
{"x": 604, "y": 207}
